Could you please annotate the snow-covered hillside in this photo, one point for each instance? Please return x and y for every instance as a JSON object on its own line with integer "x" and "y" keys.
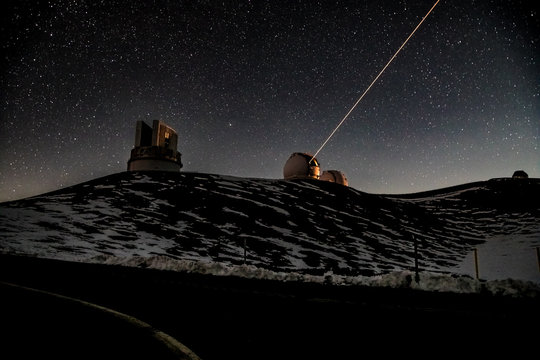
{"x": 304, "y": 226}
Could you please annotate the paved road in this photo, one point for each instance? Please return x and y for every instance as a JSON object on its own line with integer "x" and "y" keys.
{"x": 40, "y": 324}
{"x": 233, "y": 318}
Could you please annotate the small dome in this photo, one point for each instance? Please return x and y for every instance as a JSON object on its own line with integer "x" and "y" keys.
{"x": 335, "y": 176}
{"x": 299, "y": 166}
{"x": 520, "y": 174}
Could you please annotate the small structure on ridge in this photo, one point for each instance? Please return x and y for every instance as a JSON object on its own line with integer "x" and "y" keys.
{"x": 520, "y": 174}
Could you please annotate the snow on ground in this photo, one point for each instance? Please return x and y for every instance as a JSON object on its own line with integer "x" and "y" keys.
{"x": 399, "y": 279}
{"x": 504, "y": 257}
{"x": 290, "y": 230}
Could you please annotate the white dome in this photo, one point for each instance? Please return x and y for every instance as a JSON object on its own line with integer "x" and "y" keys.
{"x": 335, "y": 176}
{"x": 299, "y": 166}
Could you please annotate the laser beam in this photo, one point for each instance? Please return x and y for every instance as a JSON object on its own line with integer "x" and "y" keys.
{"x": 374, "y": 81}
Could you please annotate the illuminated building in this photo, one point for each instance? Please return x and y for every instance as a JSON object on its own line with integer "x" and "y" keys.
{"x": 155, "y": 148}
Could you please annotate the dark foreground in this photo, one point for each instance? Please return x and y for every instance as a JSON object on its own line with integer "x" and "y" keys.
{"x": 234, "y": 318}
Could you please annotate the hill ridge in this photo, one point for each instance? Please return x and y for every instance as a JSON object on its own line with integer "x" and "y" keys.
{"x": 306, "y": 226}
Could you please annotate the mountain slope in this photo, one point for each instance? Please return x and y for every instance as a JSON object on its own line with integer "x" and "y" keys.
{"x": 304, "y": 226}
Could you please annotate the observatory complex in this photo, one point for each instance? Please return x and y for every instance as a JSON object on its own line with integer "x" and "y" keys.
{"x": 155, "y": 148}
{"x": 301, "y": 166}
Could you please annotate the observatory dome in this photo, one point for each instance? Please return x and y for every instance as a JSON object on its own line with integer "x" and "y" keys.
{"x": 334, "y": 176}
{"x": 520, "y": 174}
{"x": 299, "y": 167}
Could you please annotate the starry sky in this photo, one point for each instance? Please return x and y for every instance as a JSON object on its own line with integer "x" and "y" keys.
{"x": 247, "y": 83}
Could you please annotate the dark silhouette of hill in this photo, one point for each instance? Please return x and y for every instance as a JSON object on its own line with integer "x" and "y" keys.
{"x": 306, "y": 226}
{"x": 53, "y": 241}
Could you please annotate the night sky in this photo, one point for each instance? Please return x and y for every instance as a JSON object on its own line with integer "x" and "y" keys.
{"x": 247, "y": 83}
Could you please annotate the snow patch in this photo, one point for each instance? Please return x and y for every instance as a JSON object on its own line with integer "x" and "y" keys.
{"x": 399, "y": 279}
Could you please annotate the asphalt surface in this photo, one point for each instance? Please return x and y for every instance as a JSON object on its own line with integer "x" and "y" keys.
{"x": 234, "y": 318}
{"x": 39, "y": 324}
